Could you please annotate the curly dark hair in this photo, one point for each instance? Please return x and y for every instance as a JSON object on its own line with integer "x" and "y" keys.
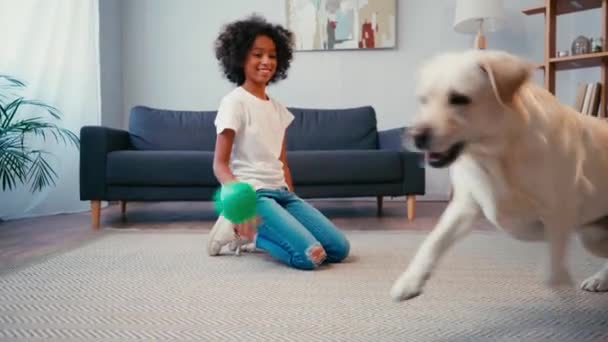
{"x": 236, "y": 39}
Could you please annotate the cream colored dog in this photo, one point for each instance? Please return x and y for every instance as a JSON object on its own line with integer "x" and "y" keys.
{"x": 532, "y": 166}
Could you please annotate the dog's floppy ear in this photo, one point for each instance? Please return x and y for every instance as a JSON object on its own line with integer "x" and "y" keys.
{"x": 506, "y": 73}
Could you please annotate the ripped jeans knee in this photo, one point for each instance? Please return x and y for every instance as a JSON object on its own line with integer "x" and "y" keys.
{"x": 313, "y": 257}
{"x": 316, "y": 254}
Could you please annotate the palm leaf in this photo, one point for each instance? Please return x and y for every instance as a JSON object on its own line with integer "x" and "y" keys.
{"x": 19, "y": 163}
{"x": 54, "y": 112}
{"x": 9, "y": 141}
{"x": 13, "y": 167}
{"x": 3, "y": 113}
{"x": 72, "y": 138}
{"x": 37, "y": 126}
{"x": 12, "y": 82}
{"x": 10, "y": 111}
{"x": 40, "y": 174}
{"x": 40, "y": 128}
{"x": 9, "y": 83}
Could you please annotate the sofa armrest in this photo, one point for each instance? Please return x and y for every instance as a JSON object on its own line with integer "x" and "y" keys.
{"x": 96, "y": 142}
{"x": 412, "y": 162}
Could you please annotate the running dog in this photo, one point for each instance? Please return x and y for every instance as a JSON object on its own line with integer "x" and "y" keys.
{"x": 532, "y": 166}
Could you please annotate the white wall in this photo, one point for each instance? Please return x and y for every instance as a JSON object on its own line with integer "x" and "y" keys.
{"x": 110, "y": 55}
{"x": 168, "y": 59}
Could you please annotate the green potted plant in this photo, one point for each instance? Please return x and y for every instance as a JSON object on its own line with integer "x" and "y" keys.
{"x": 22, "y": 121}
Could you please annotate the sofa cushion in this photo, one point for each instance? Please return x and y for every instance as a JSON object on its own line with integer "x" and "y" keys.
{"x": 160, "y": 168}
{"x": 345, "y": 167}
{"x": 332, "y": 129}
{"x": 162, "y": 129}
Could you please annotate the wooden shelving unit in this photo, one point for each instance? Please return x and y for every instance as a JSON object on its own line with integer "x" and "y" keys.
{"x": 565, "y": 7}
{"x": 553, "y": 8}
{"x": 579, "y": 61}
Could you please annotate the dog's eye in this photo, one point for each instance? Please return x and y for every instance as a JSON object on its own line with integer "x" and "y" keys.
{"x": 459, "y": 99}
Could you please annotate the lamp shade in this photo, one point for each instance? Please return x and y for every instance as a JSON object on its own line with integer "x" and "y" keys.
{"x": 470, "y": 12}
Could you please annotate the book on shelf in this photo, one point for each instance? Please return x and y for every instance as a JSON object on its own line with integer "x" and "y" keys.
{"x": 588, "y": 98}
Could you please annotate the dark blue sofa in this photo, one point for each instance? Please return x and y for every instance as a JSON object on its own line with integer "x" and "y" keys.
{"x": 167, "y": 155}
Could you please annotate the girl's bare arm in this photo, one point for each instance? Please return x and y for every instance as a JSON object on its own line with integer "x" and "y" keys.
{"x": 221, "y": 157}
{"x": 286, "y": 170}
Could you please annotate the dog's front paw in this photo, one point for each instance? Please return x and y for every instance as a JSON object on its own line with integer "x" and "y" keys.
{"x": 559, "y": 279}
{"x": 596, "y": 283}
{"x": 407, "y": 286}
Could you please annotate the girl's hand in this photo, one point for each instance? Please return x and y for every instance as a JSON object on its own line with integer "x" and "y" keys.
{"x": 247, "y": 229}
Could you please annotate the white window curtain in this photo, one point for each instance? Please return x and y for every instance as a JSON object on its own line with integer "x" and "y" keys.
{"x": 53, "y": 47}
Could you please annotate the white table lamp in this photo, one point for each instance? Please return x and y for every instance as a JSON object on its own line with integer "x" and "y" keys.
{"x": 477, "y": 16}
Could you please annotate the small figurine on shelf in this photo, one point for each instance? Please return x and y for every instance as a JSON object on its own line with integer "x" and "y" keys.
{"x": 597, "y": 44}
{"x": 581, "y": 45}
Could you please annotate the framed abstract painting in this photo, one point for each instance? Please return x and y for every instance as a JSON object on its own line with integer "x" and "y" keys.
{"x": 342, "y": 24}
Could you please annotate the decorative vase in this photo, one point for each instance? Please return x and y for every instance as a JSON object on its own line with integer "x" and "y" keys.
{"x": 581, "y": 45}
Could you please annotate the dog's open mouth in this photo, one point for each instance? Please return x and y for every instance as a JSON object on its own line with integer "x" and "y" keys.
{"x": 443, "y": 159}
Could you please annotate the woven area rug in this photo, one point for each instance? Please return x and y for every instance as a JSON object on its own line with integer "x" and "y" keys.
{"x": 161, "y": 286}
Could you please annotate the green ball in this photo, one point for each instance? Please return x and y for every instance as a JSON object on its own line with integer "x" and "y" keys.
{"x": 236, "y": 201}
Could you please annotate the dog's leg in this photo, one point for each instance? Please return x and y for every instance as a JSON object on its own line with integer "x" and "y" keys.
{"x": 595, "y": 240}
{"x": 454, "y": 223}
{"x": 597, "y": 282}
{"x": 559, "y": 232}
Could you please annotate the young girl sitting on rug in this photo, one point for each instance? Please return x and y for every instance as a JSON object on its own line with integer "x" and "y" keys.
{"x": 251, "y": 148}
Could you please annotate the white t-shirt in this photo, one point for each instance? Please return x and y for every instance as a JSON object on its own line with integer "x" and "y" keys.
{"x": 259, "y": 127}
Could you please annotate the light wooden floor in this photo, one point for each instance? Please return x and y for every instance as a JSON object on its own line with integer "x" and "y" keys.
{"x": 27, "y": 239}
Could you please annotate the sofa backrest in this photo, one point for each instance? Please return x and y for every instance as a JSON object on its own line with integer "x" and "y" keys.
{"x": 163, "y": 129}
{"x": 333, "y": 129}
{"x": 311, "y": 129}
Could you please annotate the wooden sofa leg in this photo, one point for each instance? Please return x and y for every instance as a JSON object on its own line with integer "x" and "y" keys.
{"x": 411, "y": 207}
{"x": 379, "y": 200}
{"x": 123, "y": 208}
{"x": 95, "y": 214}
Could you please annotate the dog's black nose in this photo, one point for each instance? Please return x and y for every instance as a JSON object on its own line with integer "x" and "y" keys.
{"x": 422, "y": 139}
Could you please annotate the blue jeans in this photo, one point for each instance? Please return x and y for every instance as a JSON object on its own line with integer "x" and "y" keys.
{"x": 290, "y": 228}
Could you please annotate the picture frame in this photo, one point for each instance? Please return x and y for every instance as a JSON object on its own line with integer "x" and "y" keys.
{"x": 324, "y": 25}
